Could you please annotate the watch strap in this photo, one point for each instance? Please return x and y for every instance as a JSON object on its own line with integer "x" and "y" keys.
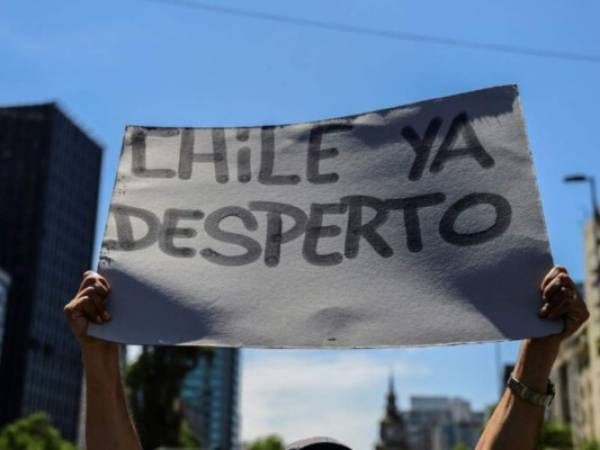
{"x": 529, "y": 395}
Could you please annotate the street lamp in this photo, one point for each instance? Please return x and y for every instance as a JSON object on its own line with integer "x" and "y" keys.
{"x": 582, "y": 178}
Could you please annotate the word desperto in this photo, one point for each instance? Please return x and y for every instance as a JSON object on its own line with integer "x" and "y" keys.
{"x": 310, "y": 225}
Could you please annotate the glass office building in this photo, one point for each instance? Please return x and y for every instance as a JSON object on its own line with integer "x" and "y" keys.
{"x": 49, "y": 175}
{"x": 4, "y": 285}
{"x": 211, "y": 398}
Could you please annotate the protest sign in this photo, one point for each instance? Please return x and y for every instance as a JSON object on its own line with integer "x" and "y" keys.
{"x": 407, "y": 226}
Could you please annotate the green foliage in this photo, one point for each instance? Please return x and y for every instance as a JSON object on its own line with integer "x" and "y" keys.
{"x": 154, "y": 385}
{"x": 555, "y": 436}
{"x": 591, "y": 445}
{"x": 187, "y": 439}
{"x": 460, "y": 446}
{"x": 34, "y": 432}
{"x": 271, "y": 442}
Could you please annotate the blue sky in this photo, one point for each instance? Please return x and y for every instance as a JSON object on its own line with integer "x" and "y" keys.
{"x": 114, "y": 63}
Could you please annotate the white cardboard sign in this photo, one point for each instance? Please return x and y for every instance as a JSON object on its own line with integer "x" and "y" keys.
{"x": 407, "y": 226}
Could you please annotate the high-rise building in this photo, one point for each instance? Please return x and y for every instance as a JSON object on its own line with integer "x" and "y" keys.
{"x": 211, "y": 398}
{"x": 392, "y": 430}
{"x": 4, "y": 285}
{"x": 49, "y": 176}
{"x": 576, "y": 372}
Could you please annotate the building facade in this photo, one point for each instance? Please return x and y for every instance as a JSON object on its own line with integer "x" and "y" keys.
{"x": 49, "y": 176}
{"x": 576, "y": 373}
{"x": 440, "y": 423}
{"x": 4, "y": 285}
{"x": 211, "y": 398}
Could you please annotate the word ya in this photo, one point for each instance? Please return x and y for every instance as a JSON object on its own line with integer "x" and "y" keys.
{"x": 310, "y": 226}
{"x": 421, "y": 146}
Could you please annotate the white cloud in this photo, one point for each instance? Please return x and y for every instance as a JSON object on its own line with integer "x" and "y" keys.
{"x": 299, "y": 394}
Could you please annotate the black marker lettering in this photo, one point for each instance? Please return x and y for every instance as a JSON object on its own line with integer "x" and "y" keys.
{"x": 502, "y": 221}
{"x": 267, "y": 161}
{"x": 356, "y": 227}
{"x": 275, "y": 234}
{"x": 213, "y": 229}
{"x": 316, "y": 230}
{"x": 138, "y": 159}
{"x": 125, "y": 239}
{"x": 421, "y": 147}
{"x": 316, "y": 153}
{"x": 218, "y": 155}
{"x": 169, "y": 231}
{"x": 473, "y": 147}
{"x": 244, "y": 171}
{"x": 411, "y": 206}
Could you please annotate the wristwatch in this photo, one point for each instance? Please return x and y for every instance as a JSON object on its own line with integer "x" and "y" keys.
{"x": 529, "y": 395}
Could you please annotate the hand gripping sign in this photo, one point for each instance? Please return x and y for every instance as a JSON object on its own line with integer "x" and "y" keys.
{"x": 412, "y": 225}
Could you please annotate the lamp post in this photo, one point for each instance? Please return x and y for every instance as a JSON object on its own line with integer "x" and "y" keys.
{"x": 582, "y": 178}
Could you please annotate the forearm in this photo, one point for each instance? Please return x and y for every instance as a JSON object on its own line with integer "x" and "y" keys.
{"x": 108, "y": 424}
{"x": 515, "y": 423}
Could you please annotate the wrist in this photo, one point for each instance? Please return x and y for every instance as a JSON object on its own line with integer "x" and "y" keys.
{"x": 93, "y": 347}
{"x": 535, "y": 361}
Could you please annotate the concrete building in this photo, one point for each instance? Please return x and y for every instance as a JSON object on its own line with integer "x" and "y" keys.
{"x": 431, "y": 423}
{"x": 4, "y": 286}
{"x": 49, "y": 175}
{"x": 211, "y": 398}
{"x": 440, "y": 423}
{"x": 576, "y": 372}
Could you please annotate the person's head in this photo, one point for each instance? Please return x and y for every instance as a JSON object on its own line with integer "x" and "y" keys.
{"x": 317, "y": 443}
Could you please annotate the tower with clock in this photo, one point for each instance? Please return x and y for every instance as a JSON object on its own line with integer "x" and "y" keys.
{"x": 392, "y": 430}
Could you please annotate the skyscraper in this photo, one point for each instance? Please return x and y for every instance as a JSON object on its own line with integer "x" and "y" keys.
{"x": 211, "y": 397}
{"x": 49, "y": 174}
{"x": 4, "y": 285}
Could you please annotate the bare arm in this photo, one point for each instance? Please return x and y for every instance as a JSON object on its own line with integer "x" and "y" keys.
{"x": 108, "y": 424}
{"x": 515, "y": 423}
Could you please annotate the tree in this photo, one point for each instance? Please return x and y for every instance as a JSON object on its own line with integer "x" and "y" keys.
{"x": 590, "y": 445}
{"x": 154, "y": 384}
{"x": 271, "y": 442}
{"x": 34, "y": 432}
{"x": 555, "y": 436}
{"x": 460, "y": 446}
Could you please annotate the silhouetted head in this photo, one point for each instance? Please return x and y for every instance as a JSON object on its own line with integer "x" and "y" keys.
{"x": 317, "y": 443}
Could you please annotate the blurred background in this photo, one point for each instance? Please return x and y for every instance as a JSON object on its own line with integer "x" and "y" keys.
{"x": 73, "y": 74}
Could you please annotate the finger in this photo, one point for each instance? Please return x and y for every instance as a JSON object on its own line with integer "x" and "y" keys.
{"x": 88, "y": 306}
{"x": 100, "y": 288}
{"x": 98, "y": 296}
{"x": 559, "y": 310}
{"x": 88, "y": 278}
{"x": 71, "y": 310}
{"x": 105, "y": 283}
{"x": 561, "y": 283}
{"x": 100, "y": 303}
{"x": 551, "y": 274}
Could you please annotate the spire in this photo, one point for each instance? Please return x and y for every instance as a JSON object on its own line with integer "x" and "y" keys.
{"x": 391, "y": 409}
{"x": 392, "y": 431}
